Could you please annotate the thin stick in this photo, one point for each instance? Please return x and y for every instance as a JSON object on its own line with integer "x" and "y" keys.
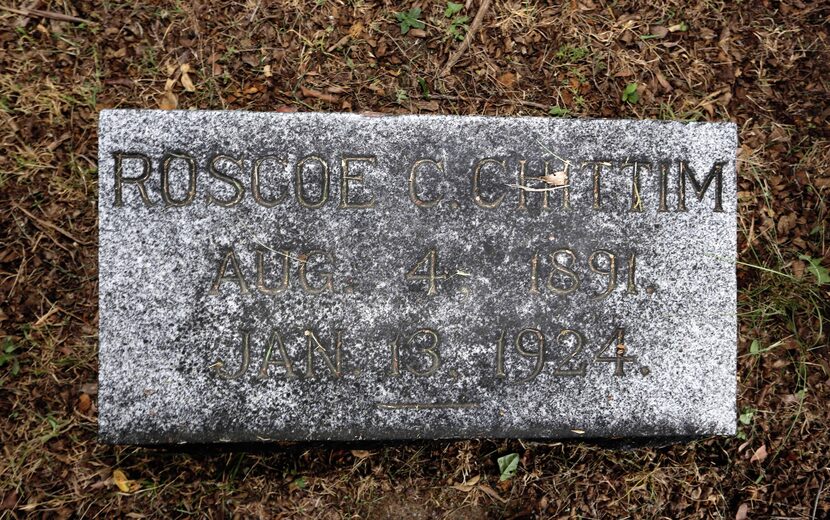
{"x": 51, "y": 226}
{"x": 468, "y": 38}
{"x": 538, "y": 190}
{"x": 532, "y": 104}
{"x": 818, "y": 496}
{"x": 46, "y": 14}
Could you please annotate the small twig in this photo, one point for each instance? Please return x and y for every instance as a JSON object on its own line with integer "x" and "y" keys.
{"x": 49, "y": 225}
{"x": 567, "y": 163}
{"x": 444, "y": 97}
{"x": 281, "y": 253}
{"x": 46, "y": 14}
{"x": 468, "y": 38}
{"x": 52, "y": 310}
{"x": 459, "y": 273}
{"x": 528, "y": 188}
{"x": 253, "y": 13}
{"x": 818, "y": 495}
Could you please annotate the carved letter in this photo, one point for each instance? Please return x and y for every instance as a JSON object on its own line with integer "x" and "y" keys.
{"x": 597, "y": 170}
{"x": 550, "y": 182}
{"x": 284, "y": 360}
{"x": 664, "y": 186}
{"x": 260, "y": 272}
{"x": 313, "y": 345}
{"x": 246, "y": 358}
{"x": 347, "y": 177}
{"x": 324, "y": 188}
{"x": 237, "y": 277}
{"x": 413, "y": 183}
{"x": 165, "y": 179}
{"x": 636, "y": 195}
{"x": 328, "y": 277}
{"x": 715, "y": 173}
{"x": 239, "y": 190}
{"x": 477, "y": 198}
{"x": 140, "y": 180}
{"x": 255, "y": 189}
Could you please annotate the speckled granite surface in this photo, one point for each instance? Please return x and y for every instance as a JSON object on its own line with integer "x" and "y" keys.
{"x": 460, "y": 306}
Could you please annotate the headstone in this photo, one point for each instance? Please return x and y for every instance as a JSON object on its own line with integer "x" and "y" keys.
{"x": 334, "y": 276}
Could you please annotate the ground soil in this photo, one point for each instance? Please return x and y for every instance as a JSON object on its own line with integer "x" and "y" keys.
{"x": 762, "y": 64}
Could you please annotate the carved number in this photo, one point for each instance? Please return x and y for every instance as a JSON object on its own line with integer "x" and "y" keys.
{"x": 619, "y": 358}
{"x": 563, "y": 264}
{"x": 570, "y": 366}
{"x": 429, "y": 263}
{"x": 431, "y": 350}
{"x": 579, "y": 371}
{"x": 539, "y": 353}
{"x": 611, "y": 271}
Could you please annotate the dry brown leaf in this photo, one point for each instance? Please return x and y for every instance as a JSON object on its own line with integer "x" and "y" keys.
{"x": 355, "y": 30}
{"x": 9, "y": 501}
{"x": 508, "y": 79}
{"x": 120, "y": 480}
{"x": 89, "y": 388}
{"x": 341, "y": 42}
{"x": 492, "y": 492}
{"x": 361, "y": 454}
{"x": 663, "y": 81}
{"x": 658, "y": 31}
{"x": 467, "y": 486}
{"x": 168, "y": 101}
{"x": 187, "y": 83}
{"x": 789, "y": 399}
{"x": 760, "y": 454}
{"x": 308, "y": 92}
{"x": 743, "y": 511}
{"x": 559, "y": 178}
{"x": 84, "y": 403}
{"x": 9, "y": 255}
{"x": 798, "y": 269}
{"x": 786, "y": 223}
{"x": 251, "y": 59}
{"x": 430, "y": 106}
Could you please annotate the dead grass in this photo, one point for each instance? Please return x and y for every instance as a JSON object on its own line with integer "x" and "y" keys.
{"x": 762, "y": 64}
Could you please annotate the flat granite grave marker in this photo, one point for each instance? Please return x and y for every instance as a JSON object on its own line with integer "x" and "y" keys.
{"x": 335, "y": 276}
